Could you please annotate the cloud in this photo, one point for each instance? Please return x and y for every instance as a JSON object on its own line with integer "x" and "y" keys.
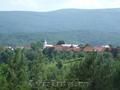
{"x": 22, "y": 5}
{"x": 46, "y": 5}
{"x": 93, "y": 4}
{"x": 111, "y": 4}
{"x": 30, "y": 5}
{"x": 18, "y": 5}
{"x": 84, "y": 4}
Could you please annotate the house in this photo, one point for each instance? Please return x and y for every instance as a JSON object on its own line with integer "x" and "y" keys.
{"x": 103, "y": 48}
{"x": 58, "y": 48}
{"x": 63, "y": 47}
{"x": 99, "y": 49}
{"x": 77, "y": 48}
{"x": 67, "y": 48}
{"x": 69, "y": 45}
{"x": 88, "y": 48}
{"x": 9, "y": 47}
{"x": 46, "y": 45}
{"x": 106, "y": 46}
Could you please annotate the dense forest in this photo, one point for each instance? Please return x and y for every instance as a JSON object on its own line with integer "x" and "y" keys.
{"x": 78, "y": 37}
{"x": 38, "y": 69}
{"x": 72, "y": 25}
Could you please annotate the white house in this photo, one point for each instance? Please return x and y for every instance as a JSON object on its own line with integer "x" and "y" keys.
{"x": 63, "y": 45}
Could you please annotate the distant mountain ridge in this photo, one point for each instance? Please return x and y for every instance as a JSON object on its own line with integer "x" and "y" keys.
{"x": 60, "y": 20}
{"x": 81, "y": 23}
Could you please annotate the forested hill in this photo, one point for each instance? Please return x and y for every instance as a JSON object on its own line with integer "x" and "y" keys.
{"x": 92, "y": 26}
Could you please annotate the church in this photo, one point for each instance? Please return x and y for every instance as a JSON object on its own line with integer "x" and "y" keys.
{"x": 62, "y": 47}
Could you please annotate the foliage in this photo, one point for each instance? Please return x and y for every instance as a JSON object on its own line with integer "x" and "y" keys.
{"x": 37, "y": 69}
{"x": 60, "y": 42}
{"x": 75, "y": 26}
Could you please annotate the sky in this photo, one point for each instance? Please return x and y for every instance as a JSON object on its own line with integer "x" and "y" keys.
{"x": 49, "y": 5}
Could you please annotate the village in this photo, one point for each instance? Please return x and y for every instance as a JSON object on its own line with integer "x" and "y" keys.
{"x": 79, "y": 48}
{"x": 71, "y": 47}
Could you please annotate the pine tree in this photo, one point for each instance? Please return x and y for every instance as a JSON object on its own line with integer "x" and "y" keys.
{"x": 37, "y": 71}
{"x": 17, "y": 77}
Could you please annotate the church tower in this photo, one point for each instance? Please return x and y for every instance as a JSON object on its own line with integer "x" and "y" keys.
{"x": 45, "y": 44}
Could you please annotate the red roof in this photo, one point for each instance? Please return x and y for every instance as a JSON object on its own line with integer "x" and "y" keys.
{"x": 88, "y": 49}
{"x": 66, "y": 48}
{"x": 99, "y": 49}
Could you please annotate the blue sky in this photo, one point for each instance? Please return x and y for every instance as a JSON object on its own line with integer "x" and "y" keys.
{"x": 49, "y": 5}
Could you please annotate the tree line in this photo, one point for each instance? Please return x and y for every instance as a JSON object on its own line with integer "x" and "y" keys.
{"x": 37, "y": 69}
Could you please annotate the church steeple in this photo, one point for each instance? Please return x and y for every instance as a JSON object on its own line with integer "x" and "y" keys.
{"x": 45, "y": 44}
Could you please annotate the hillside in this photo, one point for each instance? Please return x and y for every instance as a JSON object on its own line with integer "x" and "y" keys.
{"x": 71, "y": 25}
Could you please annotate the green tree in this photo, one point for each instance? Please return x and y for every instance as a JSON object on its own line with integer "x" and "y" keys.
{"x": 60, "y": 42}
{"x": 37, "y": 72}
{"x": 3, "y": 76}
{"x": 17, "y": 68}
